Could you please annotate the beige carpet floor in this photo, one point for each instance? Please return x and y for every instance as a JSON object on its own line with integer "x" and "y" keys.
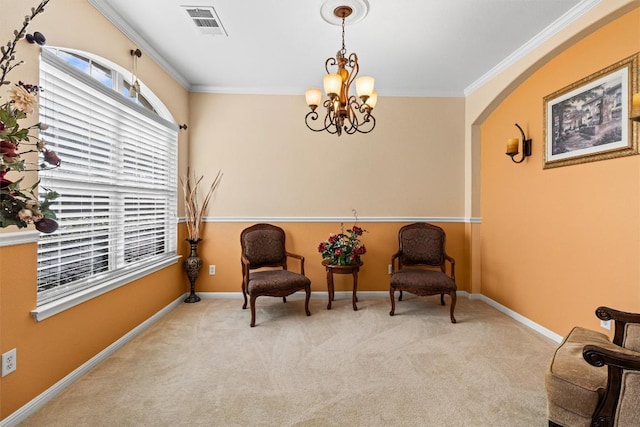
{"x": 202, "y": 365}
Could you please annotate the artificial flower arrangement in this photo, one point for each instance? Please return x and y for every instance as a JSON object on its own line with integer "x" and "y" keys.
{"x": 19, "y": 206}
{"x": 345, "y": 247}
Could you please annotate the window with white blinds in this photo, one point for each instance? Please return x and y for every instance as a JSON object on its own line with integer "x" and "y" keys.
{"x": 117, "y": 208}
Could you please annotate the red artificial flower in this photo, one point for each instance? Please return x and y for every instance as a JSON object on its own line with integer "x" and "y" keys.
{"x": 8, "y": 151}
{"x": 322, "y": 247}
{"x": 356, "y": 230}
{"x": 3, "y": 181}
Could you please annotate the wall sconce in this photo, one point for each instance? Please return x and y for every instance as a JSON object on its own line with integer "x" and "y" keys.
{"x": 512, "y": 147}
{"x": 37, "y": 38}
{"x": 183, "y": 127}
{"x": 635, "y": 108}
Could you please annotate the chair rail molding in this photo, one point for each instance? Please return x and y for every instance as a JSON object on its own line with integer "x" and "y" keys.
{"x": 18, "y": 238}
{"x": 374, "y": 219}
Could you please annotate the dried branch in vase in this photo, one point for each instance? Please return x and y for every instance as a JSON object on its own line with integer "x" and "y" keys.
{"x": 194, "y": 209}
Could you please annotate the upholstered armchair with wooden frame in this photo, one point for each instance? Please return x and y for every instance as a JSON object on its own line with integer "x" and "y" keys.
{"x": 263, "y": 247}
{"x": 594, "y": 382}
{"x": 419, "y": 266}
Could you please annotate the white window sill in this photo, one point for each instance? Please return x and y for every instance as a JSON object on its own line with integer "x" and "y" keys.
{"x": 50, "y": 309}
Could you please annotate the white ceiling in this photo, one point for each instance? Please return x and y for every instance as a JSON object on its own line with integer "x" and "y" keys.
{"x": 411, "y": 47}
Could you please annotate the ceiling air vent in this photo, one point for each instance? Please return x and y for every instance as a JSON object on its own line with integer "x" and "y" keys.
{"x": 206, "y": 19}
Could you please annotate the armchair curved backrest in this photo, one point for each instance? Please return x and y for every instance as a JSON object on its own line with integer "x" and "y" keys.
{"x": 263, "y": 245}
{"x": 421, "y": 244}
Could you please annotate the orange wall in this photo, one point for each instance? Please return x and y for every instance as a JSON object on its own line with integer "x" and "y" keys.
{"x": 221, "y": 246}
{"x": 49, "y": 350}
{"x": 557, "y": 243}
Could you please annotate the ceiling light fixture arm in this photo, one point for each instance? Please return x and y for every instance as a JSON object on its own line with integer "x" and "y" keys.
{"x": 358, "y": 122}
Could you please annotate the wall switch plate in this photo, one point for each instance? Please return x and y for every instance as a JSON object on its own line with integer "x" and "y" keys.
{"x": 606, "y": 324}
{"x": 389, "y": 269}
{"x": 212, "y": 270}
{"x": 8, "y": 362}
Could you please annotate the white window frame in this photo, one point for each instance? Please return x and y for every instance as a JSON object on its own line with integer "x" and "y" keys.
{"x": 98, "y": 284}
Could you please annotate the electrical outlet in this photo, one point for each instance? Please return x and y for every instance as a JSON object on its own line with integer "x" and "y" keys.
{"x": 606, "y": 324}
{"x": 389, "y": 269}
{"x": 8, "y": 362}
{"x": 212, "y": 270}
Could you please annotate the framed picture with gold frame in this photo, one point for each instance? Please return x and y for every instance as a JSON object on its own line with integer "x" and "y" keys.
{"x": 589, "y": 121}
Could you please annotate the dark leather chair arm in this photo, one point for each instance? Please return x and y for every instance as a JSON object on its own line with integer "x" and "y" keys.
{"x": 621, "y": 318}
{"x": 624, "y": 359}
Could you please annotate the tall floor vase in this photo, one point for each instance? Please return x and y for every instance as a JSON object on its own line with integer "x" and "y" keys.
{"x": 192, "y": 265}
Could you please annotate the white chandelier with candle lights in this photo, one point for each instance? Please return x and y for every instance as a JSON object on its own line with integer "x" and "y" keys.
{"x": 344, "y": 112}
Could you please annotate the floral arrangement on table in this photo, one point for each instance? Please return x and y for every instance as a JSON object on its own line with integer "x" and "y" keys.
{"x": 19, "y": 205}
{"x": 194, "y": 209}
{"x": 345, "y": 247}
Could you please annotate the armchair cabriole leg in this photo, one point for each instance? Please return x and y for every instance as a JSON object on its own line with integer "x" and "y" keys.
{"x": 453, "y": 305}
{"x": 393, "y": 301}
{"x": 253, "y": 310}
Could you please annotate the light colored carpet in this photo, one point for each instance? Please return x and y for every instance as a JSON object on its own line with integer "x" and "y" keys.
{"x": 202, "y": 365}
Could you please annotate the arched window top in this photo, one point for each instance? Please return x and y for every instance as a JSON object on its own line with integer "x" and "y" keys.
{"x": 112, "y": 76}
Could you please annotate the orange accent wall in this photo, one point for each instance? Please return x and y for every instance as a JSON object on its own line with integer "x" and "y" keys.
{"x": 47, "y": 351}
{"x": 557, "y": 243}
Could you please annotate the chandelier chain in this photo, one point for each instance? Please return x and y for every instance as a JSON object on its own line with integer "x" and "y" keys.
{"x": 343, "y": 50}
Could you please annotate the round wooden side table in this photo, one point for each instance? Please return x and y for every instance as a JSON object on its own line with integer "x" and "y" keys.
{"x": 342, "y": 269}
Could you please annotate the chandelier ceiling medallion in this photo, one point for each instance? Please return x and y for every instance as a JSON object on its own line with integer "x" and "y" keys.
{"x": 344, "y": 112}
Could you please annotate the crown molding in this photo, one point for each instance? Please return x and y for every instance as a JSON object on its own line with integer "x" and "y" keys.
{"x": 569, "y": 17}
{"x": 111, "y": 15}
{"x": 296, "y": 92}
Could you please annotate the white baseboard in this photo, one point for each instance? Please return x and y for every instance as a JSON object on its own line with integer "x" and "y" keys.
{"x": 520, "y": 318}
{"x": 21, "y": 414}
{"x": 25, "y": 411}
